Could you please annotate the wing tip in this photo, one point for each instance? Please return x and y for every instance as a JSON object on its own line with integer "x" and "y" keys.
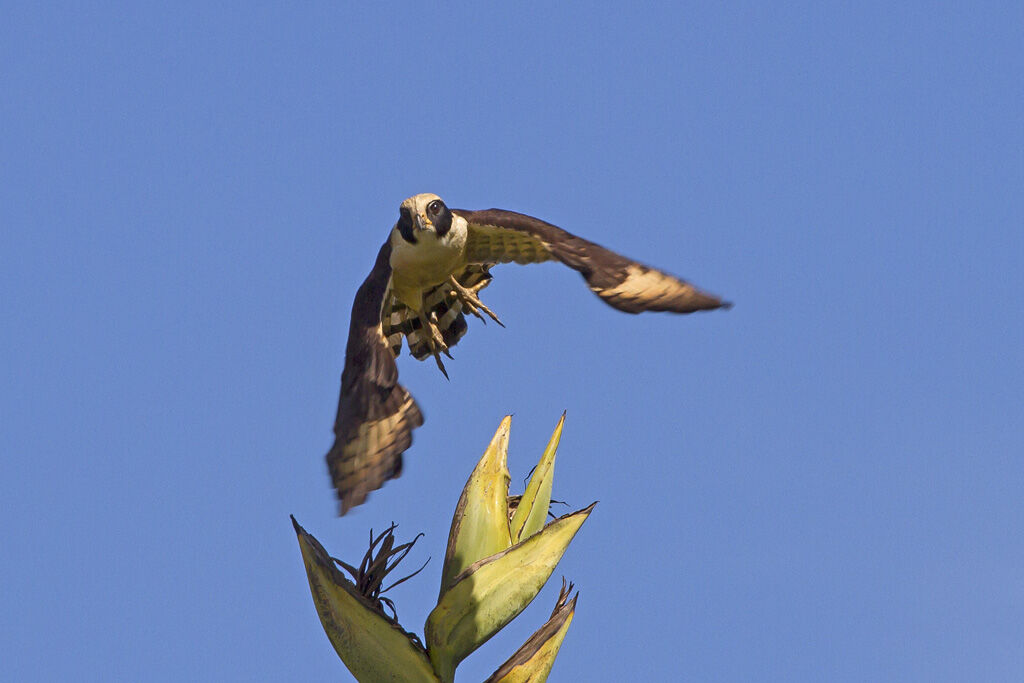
{"x": 353, "y": 487}
{"x": 704, "y": 301}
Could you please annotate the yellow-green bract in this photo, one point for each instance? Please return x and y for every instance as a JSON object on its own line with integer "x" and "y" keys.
{"x": 532, "y": 511}
{"x": 374, "y": 649}
{"x": 533, "y": 661}
{"x": 480, "y": 523}
{"x": 493, "y": 591}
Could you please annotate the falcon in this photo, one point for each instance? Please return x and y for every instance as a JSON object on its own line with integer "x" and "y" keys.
{"x": 427, "y": 277}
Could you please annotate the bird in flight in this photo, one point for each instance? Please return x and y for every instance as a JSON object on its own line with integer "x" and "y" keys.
{"x": 427, "y": 276}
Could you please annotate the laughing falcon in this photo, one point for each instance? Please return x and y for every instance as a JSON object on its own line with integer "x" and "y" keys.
{"x": 428, "y": 274}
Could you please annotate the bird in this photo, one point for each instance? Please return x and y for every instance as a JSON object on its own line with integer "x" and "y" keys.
{"x": 427, "y": 276}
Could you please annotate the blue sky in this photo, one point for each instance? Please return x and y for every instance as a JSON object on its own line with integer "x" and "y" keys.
{"x": 824, "y": 483}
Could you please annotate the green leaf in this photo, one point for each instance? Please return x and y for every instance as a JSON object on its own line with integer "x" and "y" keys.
{"x": 493, "y": 591}
{"x": 372, "y": 647}
{"x": 480, "y": 523}
{"x": 532, "y": 511}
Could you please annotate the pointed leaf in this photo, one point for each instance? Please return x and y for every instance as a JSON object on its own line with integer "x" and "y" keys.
{"x": 533, "y": 661}
{"x": 532, "y": 511}
{"x": 373, "y": 648}
{"x": 480, "y": 523}
{"x": 493, "y": 591}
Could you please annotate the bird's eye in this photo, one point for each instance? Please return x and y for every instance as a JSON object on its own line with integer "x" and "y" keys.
{"x": 435, "y": 207}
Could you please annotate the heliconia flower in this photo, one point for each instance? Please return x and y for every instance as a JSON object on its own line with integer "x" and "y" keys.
{"x": 489, "y": 591}
{"x": 501, "y": 551}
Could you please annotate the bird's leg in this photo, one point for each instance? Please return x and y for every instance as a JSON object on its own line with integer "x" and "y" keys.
{"x": 434, "y": 340}
{"x": 432, "y": 333}
{"x": 470, "y": 301}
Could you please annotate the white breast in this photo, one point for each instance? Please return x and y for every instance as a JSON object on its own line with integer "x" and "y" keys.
{"x": 429, "y": 261}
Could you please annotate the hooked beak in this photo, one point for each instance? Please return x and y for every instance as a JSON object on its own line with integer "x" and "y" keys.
{"x": 420, "y": 222}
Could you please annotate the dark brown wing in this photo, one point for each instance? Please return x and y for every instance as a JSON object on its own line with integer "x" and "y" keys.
{"x": 376, "y": 415}
{"x": 497, "y": 236}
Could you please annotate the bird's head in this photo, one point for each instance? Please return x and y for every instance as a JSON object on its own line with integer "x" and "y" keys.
{"x": 423, "y": 213}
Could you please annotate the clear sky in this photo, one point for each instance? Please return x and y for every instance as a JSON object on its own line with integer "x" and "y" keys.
{"x": 825, "y": 483}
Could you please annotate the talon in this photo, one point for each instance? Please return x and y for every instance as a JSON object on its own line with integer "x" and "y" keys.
{"x": 470, "y": 301}
{"x": 434, "y": 341}
{"x": 435, "y": 338}
{"x": 467, "y": 306}
{"x": 440, "y": 366}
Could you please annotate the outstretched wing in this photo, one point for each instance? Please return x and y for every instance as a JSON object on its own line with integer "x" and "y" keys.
{"x": 497, "y": 236}
{"x": 376, "y": 415}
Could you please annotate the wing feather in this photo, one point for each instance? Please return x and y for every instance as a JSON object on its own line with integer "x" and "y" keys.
{"x": 498, "y": 236}
{"x": 376, "y": 415}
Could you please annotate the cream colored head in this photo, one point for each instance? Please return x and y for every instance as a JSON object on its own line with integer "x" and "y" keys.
{"x": 423, "y": 212}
